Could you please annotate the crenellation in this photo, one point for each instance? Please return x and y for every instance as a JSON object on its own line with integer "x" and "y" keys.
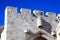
{"x": 11, "y": 9}
{"x": 25, "y": 13}
{"x": 23, "y": 10}
{"x": 25, "y": 25}
{"x": 38, "y": 13}
{"x": 51, "y": 14}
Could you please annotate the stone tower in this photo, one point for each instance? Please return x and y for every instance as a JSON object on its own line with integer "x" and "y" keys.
{"x": 27, "y": 26}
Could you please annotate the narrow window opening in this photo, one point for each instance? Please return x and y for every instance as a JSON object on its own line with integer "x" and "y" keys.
{"x": 54, "y": 35}
{"x": 40, "y": 26}
{"x": 34, "y": 15}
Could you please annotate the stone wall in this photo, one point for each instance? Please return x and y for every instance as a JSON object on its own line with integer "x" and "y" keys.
{"x": 24, "y": 25}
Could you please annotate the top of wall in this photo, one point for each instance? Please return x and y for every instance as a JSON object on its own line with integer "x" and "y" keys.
{"x": 36, "y": 12}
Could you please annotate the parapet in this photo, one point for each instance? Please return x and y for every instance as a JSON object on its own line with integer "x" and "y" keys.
{"x": 38, "y": 12}
{"x": 25, "y": 11}
{"x": 51, "y": 14}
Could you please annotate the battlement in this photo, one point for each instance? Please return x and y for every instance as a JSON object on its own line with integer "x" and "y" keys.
{"x": 11, "y": 13}
{"x": 27, "y": 14}
{"x": 51, "y": 14}
{"x": 36, "y": 12}
{"x": 11, "y": 9}
{"x": 15, "y": 23}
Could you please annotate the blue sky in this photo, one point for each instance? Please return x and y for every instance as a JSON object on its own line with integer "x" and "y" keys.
{"x": 44, "y": 5}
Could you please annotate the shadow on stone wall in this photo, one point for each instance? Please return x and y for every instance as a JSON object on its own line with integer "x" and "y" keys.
{"x": 46, "y": 26}
{"x": 1, "y": 30}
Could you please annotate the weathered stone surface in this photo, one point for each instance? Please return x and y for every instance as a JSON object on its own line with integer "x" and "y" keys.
{"x": 15, "y": 24}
